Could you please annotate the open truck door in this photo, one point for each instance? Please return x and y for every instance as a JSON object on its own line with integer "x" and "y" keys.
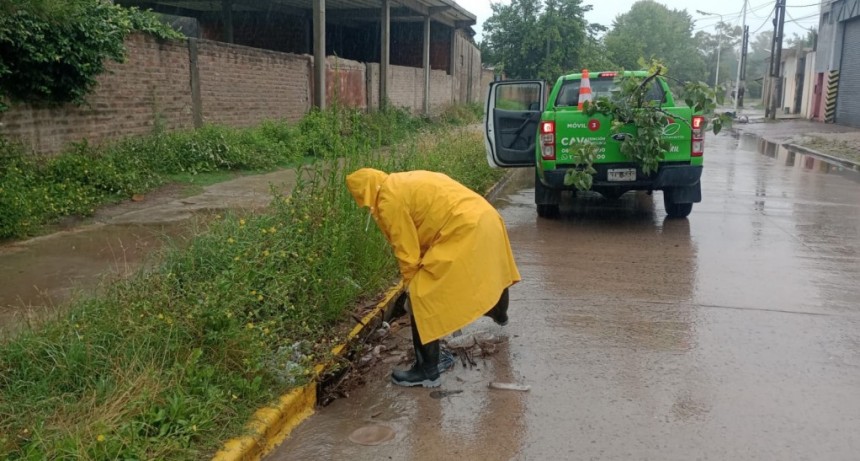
{"x": 511, "y": 116}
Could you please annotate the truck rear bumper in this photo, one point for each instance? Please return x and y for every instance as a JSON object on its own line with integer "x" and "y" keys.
{"x": 668, "y": 176}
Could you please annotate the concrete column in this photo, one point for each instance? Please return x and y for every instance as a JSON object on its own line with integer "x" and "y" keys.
{"x": 452, "y": 52}
{"x": 471, "y": 72}
{"x": 196, "y": 99}
{"x": 227, "y": 19}
{"x": 427, "y": 65}
{"x": 385, "y": 52}
{"x": 319, "y": 54}
{"x": 308, "y": 34}
{"x": 455, "y": 92}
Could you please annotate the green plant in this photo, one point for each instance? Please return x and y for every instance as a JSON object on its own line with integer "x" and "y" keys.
{"x": 76, "y": 182}
{"x": 462, "y": 114}
{"x": 631, "y": 108}
{"x": 173, "y": 361}
{"x": 51, "y": 51}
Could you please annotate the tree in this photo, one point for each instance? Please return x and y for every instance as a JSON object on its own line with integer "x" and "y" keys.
{"x": 652, "y": 31}
{"x": 728, "y": 38}
{"x": 758, "y": 60}
{"x": 541, "y": 38}
{"x": 802, "y": 41}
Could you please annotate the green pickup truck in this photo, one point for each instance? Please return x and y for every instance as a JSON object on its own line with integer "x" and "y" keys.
{"x": 524, "y": 128}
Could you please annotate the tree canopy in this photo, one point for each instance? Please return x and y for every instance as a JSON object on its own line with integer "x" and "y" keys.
{"x": 649, "y": 31}
{"x": 541, "y": 38}
{"x": 727, "y": 39}
{"x": 51, "y": 51}
{"x": 757, "y": 62}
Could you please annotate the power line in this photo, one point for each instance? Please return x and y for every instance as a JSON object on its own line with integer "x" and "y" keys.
{"x": 740, "y": 13}
{"x": 765, "y": 21}
{"x": 808, "y": 6}
{"x": 811, "y": 16}
{"x": 728, "y": 17}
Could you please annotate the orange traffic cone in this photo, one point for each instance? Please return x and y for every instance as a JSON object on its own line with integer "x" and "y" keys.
{"x": 584, "y": 89}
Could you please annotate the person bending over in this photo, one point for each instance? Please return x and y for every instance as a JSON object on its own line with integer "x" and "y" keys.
{"x": 453, "y": 251}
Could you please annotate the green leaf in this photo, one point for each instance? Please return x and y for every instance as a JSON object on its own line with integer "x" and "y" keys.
{"x": 718, "y": 125}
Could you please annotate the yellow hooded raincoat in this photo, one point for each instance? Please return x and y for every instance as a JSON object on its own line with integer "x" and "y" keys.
{"x": 451, "y": 245}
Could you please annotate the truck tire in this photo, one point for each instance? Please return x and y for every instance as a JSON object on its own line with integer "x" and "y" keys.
{"x": 548, "y": 211}
{"x": 546, "y": 199}
{"x": 675, "y": 210}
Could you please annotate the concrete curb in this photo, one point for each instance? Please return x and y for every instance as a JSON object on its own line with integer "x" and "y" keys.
{"x": 803, "y": 150}
{"x": 269, "y": 426}
{"x": 841, "y": 161}
{"x": 493, "y": 191}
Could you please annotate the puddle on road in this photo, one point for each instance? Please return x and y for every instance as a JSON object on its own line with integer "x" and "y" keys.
{"x": 40, "y": 275}
{"x": 797, "y": 159}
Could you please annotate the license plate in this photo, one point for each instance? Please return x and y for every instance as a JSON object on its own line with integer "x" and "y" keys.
{"x": 621, "y": 174}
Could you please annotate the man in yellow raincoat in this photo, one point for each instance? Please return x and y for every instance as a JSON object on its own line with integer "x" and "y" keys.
{"x": 453, "y": 252}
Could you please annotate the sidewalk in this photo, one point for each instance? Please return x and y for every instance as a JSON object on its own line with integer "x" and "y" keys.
{"x": 826, "y": 139}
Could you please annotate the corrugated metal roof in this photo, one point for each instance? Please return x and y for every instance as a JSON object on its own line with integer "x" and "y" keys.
{"x": 444, "y": 11}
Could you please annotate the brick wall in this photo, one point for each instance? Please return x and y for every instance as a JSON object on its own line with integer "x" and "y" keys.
{"x": 487, "y": 77}
{"x": 346, "y": 82}
{"x": 467, "y": 70}
{"x": 406, "y": 88}
{"x": 238, "y": 86}
{"x": 440, "y": 90}
{"x": 476, "y": 93}
{"x": 242, "y": 86}
{"x": 149, "y": 89}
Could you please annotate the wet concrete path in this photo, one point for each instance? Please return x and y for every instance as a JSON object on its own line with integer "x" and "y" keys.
{"x": 37, "y": 276}
{"x": 732, "y": 335}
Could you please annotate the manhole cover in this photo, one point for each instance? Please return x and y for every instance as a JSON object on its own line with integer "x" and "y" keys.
{"x": 374, "y": 434}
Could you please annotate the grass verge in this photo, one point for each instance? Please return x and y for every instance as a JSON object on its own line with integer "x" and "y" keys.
{"x": 38, "y": 190}
{"x": 170, "y": 363}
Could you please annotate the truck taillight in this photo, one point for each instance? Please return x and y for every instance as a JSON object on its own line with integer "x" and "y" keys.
{"x": 697, "y": 146}
{"x": 547, "y": 140}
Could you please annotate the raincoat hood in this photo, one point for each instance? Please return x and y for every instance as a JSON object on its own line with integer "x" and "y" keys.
{"x": 364, "y": 185}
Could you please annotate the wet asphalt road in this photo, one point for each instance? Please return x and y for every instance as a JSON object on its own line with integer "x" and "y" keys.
{"x": 733, "y": 335}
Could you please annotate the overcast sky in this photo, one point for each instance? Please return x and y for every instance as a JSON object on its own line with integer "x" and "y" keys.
{"x": 803, "y": 12}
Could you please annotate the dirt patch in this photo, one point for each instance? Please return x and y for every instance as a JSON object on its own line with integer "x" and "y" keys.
{"x": 160, "y": 196}
{"x": 841, "y": 145}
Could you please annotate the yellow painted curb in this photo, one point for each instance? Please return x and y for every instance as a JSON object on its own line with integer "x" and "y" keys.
{"x": 271, "y": 425}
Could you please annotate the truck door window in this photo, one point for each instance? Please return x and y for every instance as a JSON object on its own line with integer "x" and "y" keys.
{"x": 518, "y": 97}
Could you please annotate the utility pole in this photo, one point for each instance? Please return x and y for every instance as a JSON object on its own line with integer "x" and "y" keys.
{"x": 741, "y": 60}
{"x": 776, "y": 57}
{"x": 719, "y": 45}
{"x": 743, "y": 79}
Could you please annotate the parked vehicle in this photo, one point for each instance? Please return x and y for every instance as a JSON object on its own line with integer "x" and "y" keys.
{"x": 524, "y": 128}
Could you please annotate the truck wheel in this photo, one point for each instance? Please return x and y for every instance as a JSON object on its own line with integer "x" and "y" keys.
{"x": 546, "y": 199}
{"x": 675, "y": 210}
{"x": 547, "y": 211}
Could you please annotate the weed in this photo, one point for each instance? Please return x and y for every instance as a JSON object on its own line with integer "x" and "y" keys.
{"x": 37, "y": 190}
{"x": 170, "y": 363}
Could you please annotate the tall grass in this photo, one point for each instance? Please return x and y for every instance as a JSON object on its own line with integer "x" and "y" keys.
{"x": 38, "y": 190}
{"x": 170, "y": 363}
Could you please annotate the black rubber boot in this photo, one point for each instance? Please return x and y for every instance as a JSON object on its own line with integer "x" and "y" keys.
{"x": 425, "y": 371}
{"x": 499, "y": 312}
